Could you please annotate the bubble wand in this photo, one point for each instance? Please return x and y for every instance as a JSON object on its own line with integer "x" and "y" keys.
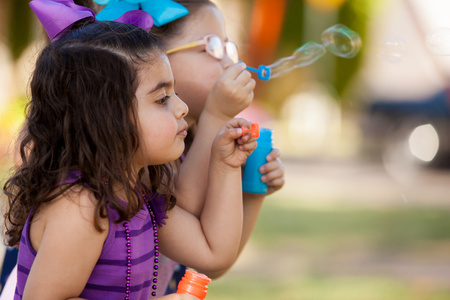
{"x": 338, "y": 39}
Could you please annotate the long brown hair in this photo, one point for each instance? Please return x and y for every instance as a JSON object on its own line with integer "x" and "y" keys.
{"x": 166, "y": 33}
{"x": 82, "y": 118}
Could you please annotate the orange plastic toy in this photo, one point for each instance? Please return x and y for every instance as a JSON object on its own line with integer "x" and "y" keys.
{"x": 194, "y": 283}
{"x": 254, "y": 130}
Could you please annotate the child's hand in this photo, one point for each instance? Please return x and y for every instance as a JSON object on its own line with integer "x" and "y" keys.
{"x": 232, "y": 93}
{"x": 230, "y": 147}
{"x": 273, "y": 171}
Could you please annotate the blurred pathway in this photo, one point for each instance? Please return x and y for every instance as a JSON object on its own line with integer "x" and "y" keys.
{"x": 334, "y": 182}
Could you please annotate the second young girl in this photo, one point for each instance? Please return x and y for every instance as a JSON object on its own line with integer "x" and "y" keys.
{"x": 216, "y": 88}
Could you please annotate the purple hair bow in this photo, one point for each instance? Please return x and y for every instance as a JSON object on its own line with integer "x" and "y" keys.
{"x": 58, "y": 16}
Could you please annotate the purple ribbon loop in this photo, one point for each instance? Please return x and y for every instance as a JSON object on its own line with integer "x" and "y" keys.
{"x": 138, "y": 18}
{"x": 58, "y": 16}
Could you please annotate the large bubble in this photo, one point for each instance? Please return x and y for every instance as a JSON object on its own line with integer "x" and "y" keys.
{"x": 341, "y": 41}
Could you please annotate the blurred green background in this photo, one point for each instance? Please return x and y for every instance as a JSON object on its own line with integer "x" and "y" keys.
{"x": 353, "y": 221}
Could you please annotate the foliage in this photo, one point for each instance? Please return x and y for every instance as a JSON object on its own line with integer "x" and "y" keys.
{"x": 19, "y": 29}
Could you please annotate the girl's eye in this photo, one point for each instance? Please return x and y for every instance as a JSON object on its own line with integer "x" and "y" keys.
{"x": 163, "y": 100}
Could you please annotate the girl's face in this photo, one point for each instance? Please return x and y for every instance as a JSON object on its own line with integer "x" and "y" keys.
{"x": 194, "y": 70}
{"x": 160, "y": 115}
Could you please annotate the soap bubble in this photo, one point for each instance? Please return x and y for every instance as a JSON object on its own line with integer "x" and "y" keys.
{"x": 438, "y": 41}
{"x": 341, "y": 41}
{"x": 393, "y": 50}
{"x": 303, "y": 56}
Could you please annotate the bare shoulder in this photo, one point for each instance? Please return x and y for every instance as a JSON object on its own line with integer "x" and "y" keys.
{"x": 73, "y": 209}
{"x": 64, "y": 235}
{"x": 76, "y": 204}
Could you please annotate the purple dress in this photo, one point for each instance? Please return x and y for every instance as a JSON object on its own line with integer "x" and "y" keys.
{"x": 108, "y": 277}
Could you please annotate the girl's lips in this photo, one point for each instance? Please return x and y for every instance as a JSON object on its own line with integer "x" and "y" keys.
{"x": 183, "y": 133}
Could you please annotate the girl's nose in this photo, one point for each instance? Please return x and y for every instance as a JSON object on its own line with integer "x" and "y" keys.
{"x": 182, "y": 109}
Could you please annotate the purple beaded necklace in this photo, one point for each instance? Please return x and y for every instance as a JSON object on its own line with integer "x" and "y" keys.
{"x": 128, "y": 254}
{"x": 156, "y": 248}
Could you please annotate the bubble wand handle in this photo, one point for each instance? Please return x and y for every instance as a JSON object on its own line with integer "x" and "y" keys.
{"x": 263, "y": 72}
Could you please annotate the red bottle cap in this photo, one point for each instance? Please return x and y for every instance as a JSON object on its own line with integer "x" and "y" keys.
{"x": 194, "y": 283}
{"x": 254, "y": 130}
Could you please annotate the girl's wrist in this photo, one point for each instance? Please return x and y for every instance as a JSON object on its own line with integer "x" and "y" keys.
{"x": 219, "y": 165}
{"x": 213, "y": 112}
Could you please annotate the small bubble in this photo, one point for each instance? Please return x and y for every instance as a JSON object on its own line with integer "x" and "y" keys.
{"x": 438, "y": 41}
{"x": 393, "y": 50}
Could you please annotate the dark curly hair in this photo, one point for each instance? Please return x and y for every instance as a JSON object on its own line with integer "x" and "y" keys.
{"x": 166, "y": 33}
{"x": 82, "y": 117}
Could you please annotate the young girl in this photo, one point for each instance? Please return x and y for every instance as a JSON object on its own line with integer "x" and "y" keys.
{"x": 216, "y": 88}
{"x": 83, "y": 204}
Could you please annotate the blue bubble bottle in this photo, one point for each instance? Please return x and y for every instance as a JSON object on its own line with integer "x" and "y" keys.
{"x": 251, "y": 179}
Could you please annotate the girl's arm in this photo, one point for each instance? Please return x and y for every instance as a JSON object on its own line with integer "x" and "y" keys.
{"x": 252, "y": 207}
{"x": 68, "y": 246}
{"x": 231, "y": 94}
{"x": 273, "y": 175}
{"x": 212, "y": 241}
{"x": 193, "y": 171}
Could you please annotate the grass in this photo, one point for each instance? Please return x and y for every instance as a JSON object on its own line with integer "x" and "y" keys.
{"x": 352, "y": 253}
{"x": 351, "y": 288}
{"x": 388, "y": 228}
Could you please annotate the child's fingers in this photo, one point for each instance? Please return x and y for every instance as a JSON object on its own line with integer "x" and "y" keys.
{"x": 235, "y": 70}
{"x": 249, "y": 146}
{"x": 238, "y": 123}
{"x": 248, "y": 88}
{"x": 273, "y": 175}
{"x": 244, "y": 77}
{"x": 243, "y": 139}
{"x": 275, "y": 184}
{"x": 246, "y": 82}
{"x": 234, "y": 133}
{"x": 274, "y": 154}
{"x": 270, "y": 166}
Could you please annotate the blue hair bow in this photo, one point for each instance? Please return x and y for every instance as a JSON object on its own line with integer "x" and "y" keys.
{"x": 162, "y": 11}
